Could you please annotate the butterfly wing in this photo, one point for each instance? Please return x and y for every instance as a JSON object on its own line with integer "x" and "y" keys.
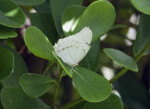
{"x": 85, "y": 35}
{"x": 62, "y": 50}
{"x": 73, "y": 49}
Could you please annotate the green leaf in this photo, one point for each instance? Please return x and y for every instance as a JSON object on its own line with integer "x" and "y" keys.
{"x": 6, "y": 32}
{"x": 28, "y": 2}
{"x": 19, "y": 68}
{"x": 6, "y": 63}
{"x": 43, "y": 8}
{"x": 132, "y": 91}
{"x": 38, "y": 43}
{"x": 15, "y": 98}
{"x": 142, "y": 5}
{"x": 70, "y": 18}
{"x": 67, "y": 68}
{"x": 143, "y": 35}
{"x": 57, "y": 8}
{"x": 90, "y": 85}
{"x": 121, "y": 58}
{"x": 99, "y": 16}
{"x": 91, "y": 59}
{"x": 45, "y": 23}
{"x": 11, "y": 15}
{"x": 36, "y": 85}
{"x": 112, "y": 102}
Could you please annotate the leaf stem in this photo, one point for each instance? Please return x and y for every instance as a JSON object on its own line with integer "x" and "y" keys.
{"x": 56, "y": 89}
{"x": 124, "y": 70}
{"x": 73, "y": 103}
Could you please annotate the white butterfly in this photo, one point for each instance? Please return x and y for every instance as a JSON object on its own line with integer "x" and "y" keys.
{"x": 73, "y": 49}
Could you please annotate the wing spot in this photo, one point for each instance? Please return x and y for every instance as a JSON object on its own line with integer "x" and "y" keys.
{"x": 63, "y": 49}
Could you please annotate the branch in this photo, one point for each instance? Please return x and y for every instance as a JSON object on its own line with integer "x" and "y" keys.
{"x": 56, "y": 89}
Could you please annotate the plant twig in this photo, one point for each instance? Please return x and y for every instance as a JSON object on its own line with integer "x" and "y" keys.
{"x": 47, "y": 68}
{"x": 122, "y": 72}
{"x": 56, "y": 89}
{"x": 22, "y": 49}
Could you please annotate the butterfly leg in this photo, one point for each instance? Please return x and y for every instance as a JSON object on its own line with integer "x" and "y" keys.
{"x": 72, "y": 70}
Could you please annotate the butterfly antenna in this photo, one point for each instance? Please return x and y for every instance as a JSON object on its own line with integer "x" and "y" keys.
{"x": 75, "y": 68}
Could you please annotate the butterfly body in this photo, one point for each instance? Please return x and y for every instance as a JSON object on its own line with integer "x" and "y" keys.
{"x": 73, "y": 49}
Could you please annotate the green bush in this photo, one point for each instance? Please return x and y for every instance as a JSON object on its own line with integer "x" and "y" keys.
{"x": 114, "y": 74}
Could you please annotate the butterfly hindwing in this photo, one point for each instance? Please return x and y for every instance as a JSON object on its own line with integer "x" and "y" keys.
{"x": 73, "y": 49}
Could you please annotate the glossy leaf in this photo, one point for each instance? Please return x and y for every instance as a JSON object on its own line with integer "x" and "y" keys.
{"x": 15, "y": 98}
{"x": 67, "y": 68}
{"x": 142, "y": 5}
{"x": 6, "y": 63}
{"x": 112, "y": 102}
{"x": 121, "y": 58}
{"x": 143, "y": 35}
{"x": 38, "y": 43}
{"x": 57, "y": 8}
{"x": 45, "y": 23}
{"x": 6, "y": 32}
{"x": 70, "y": 18}
{"x": 99, "y": 17}
{"x": 19, "y": 68}
{"x": 91, "y": 59}
{"x": 132, "y": 91}
{"x": 90, "y": 85}
{"x": 11, "y": 15}
{"x": 43, "y": 8}
{"x": 28, "y": 2}
{"x": 36, "y": 85}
